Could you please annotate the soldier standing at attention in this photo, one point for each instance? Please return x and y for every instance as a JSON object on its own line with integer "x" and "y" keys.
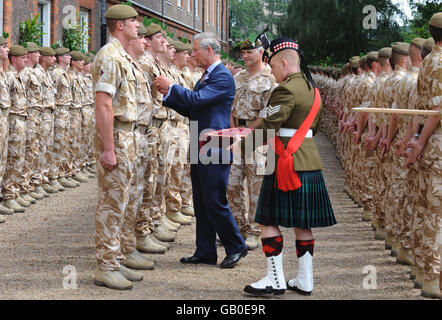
{"x": 295, "y": 195}
{"x": 17, "y": 128}
{"x": 115, "y": 152}
{"x": 426, "y": 150}
{"x": 5, "y": 105}
{"x": 254, "y": 86}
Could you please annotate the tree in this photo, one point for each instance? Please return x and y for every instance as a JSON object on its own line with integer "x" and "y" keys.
{"x": 333, "y": 31}
{"x": 246, "y": 17}
{"x": 422, "y": 13}
{"x": 275, "y": 12}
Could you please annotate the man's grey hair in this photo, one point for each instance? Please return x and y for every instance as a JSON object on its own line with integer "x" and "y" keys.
{"x": 208, "y": 39}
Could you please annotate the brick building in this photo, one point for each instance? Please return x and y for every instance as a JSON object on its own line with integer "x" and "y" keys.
{"x": 185, "y": 18}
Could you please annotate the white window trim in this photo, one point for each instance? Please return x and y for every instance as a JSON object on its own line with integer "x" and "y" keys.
{"x": 1, "y": 17}
{"x": 85, "y": 13}
{"x": 197, "y": 8}
{"x": 47, "y": 24}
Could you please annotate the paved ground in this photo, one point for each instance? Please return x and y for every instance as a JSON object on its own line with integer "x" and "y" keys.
{"x": 41, "y": 246}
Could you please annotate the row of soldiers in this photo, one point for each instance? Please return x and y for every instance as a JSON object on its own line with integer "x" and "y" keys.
{"x": 393, "y": 162}
{"x": 47, "y": 116}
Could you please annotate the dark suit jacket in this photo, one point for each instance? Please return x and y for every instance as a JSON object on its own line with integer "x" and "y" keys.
{"x": 210, "y": 103}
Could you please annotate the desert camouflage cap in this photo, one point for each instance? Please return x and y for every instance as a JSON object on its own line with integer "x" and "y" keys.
{"x": 436, "y": 20}
{"x": 170, "y": 41}
{"x": 47, "y": 51}
{"x": 3, "y": 40}
{"x": 142, "y": 30}
{"x": 87, "y": 60}
{"x": 61, "y": 51}
{"x": 429, "y": 44}
{"x": 153, "y": 29}
{"x": 401, "y": 48}
{"x": 180, "y": 46}
{"x": 385, "y": 52}
{"x": 32, "y": 47}
{"x": 418, "y": 42}
{"x": 120, "y": 12}
{"x": 17, "y": 50}
{"x": 373, "y": 55}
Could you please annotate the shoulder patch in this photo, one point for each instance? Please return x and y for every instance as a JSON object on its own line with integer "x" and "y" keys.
{"x": 273, "y": 109}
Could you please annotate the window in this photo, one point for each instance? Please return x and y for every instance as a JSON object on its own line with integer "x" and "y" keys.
{"x": 213, "y": 12}
{"x": 1, "y": 16}
{"x": 84, "y": 23}
{"x": 189, "y": 5}
{"x": 44, "y": 11}
{"x": 197, "y": 8}
{"x": 180, "y": 3}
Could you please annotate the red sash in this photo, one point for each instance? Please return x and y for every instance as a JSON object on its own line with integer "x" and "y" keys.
{"x": 286, "y": 177}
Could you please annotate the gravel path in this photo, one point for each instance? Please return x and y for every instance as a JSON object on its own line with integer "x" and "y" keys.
{"x": 56, "y": 234}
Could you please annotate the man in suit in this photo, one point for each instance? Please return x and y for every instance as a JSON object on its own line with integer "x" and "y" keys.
{"x": 209, "y": 104}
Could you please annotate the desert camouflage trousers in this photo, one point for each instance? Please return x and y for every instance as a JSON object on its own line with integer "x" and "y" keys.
{"x": 32, "y": 176}
{"x": 178, "y": 155}
{"x": 166, "y": 152}
{"x": 47, "y": 156}
{"x": 186, "y": 182}
{"x": 14, "y": 176}
{"x": 378, "y": 201}
{"x": 61, "y": 141}
{"x": 74, "y": 136}
{"x": 115, "y": 214}
{"x": 86, "y": 140}
{"x": 4, "y": 134}
{"x": 147, "y": 175}
{"x": 243, "y": 190}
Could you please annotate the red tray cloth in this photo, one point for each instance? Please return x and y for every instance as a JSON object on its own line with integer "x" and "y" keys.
{"x": 225, "y": 137}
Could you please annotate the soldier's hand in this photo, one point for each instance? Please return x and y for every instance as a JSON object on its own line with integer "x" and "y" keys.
{"x": 109, "y": 160}
{"x": 413, "y": 153}
{"x": 400, "y": 147}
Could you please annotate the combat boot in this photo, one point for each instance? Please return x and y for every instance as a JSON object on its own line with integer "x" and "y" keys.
{"x": 72, "y": 180}
{"x": 147, "y": 245}
{"x": 177, "y": 217}
{"x": 419, "y": 281}
{"x": 112, "y": 280}
{"x": 46, "y": 187}
{"x": 28, "y": 198}
{"x": 2, "y": 220}
{"x": 170, "y": 222}
{"x": 35, "y": 195}
{"x": 188, "y": 211}
{"x": 404, "y": 257}
{"x": 164, "y": 244}
{"x": 80, "y": 178}
{"x": 56, "y": 185}
{"x": 431, "y": 288}
{"x": 395, "y": 248}
{"x": 162, "y": 234}
{"x": 367, "y": 215}
{"x": 4, "y": 210}
{"x": 137, "y": 261}
{"x": 65, "y": 183}
{"x": 380, "y": 234}
{"x": 388, "y": 242}
{"x": 130, "y": 274}
{"x": 24, "y": 203}
{"x": 92, "y": 169}
{"x": 12, "y": 204}
{"x": 41, "y": 191}
{"x": 87, "y": 173}
{"x": 252, "y": 241}
{"x": 168, "y": 226}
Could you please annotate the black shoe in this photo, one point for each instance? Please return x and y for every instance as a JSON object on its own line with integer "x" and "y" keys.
{"x": 296, "y": 289}
{"x": 197, "y": 260}
{"x": 263, "y": 292}
{"x": 232, "y": 260}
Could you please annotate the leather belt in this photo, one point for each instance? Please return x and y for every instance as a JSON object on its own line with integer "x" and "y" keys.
{"x": 34, "y": 112}
{"x": 127, "y": 126}
{"x": 17, "y": 116}
{"x": 157, "y": 123}
{"x": 288, "y": 133}
{"x": 142, "y": 129}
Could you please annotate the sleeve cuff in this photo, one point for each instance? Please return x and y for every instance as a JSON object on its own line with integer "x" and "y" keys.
{"x": 105, "y": 87}
{"x": 168, "y": 93}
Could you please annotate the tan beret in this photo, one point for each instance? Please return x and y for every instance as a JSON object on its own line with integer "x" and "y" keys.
{"x": 354, "y": 58}
{"x": 90, "y": 55}
{"x": 373, "y": 56}
{"x": 364, "y": 59}
{"x": 142, "y": 30}
{"x": 120, "y": 12}
{"x": 355, "y": 62}
{"x": 153, "y": 29}
{"x": 429, "y": 44}
{"x": 401, "y": 48}
{"x": 47, "y": 51}
{"x": 436, "y": 20}
{"x": 3, "y": 40}
{"x": 87, "y": 60}
{"x": 418, "y": 42}
{"x": 385, "y": 52}
{"x": 61, "y": 51}
{"x": 32, "y": 47}
{"x": 170, "y": 41}
{"x": 164, "y": 33}
{"x": 17, "y": 50}
{"x": 180, "y": 46}
{"x": 77, "y": 55}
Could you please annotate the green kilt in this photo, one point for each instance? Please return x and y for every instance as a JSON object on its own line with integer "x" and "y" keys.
{"x": 305, "y": 208}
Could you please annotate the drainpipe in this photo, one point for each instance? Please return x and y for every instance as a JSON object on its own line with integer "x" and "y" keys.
{"x": 103, "y": 8}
